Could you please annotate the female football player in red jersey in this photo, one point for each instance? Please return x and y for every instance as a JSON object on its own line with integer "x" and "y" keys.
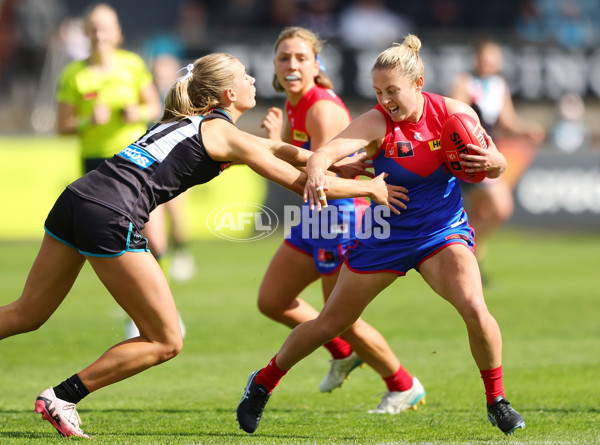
{"x": 432, "y": 235}
{"x": 99, "y": 219}
{"x": 315, "y": 114}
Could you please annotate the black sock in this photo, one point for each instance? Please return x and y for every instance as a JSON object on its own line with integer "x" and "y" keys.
{"x": 71, "y": 390}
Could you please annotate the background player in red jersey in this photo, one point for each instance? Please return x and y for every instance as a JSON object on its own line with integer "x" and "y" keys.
{"x": 315, "y": 114}
{"x": 431, "y": 235}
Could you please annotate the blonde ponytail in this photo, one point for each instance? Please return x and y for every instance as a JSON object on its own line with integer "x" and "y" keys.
{"x": 200, "y": 92}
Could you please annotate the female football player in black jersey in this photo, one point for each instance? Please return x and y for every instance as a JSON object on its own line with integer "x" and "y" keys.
{"x": 99, "y": 217}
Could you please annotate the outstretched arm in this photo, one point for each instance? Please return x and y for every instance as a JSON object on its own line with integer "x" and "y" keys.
{"x": 226, "y": 143}
{"x": 298, "y": 157}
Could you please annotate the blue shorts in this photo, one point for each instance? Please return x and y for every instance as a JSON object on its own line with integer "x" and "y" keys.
{"x": 326, "y": 235}
{"x": 401, "y": 255}
{"x": 92, "y": 229}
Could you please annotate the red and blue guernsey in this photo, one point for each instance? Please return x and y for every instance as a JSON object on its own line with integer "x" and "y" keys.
{"x": 434, "y": 218}
{"x": 324, "y": 235}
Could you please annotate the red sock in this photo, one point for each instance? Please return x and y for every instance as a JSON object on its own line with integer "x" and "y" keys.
{"x": 400, "y": 381}
{"x": 270, "y": 375}
{"x": 492, "y": 380}
{"x": 338, "y": 348}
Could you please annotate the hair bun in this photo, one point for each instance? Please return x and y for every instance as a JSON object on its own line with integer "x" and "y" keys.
{"x": 412, "y": 41}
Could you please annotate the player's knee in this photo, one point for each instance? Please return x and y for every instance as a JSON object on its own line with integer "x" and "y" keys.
{"x": 474, "y": 312}
{"x": 24, "y": 325}
{"x": 24, "y": 320}
{"x": 169, "y": 349}
{"x": 269, "y": 305}
{"x": 329, "y": 329}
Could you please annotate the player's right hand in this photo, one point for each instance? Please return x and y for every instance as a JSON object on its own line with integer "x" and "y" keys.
{"x": 273, "y": 123}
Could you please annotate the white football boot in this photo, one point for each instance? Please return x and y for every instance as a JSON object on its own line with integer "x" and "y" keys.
{"x": 395, "y": 402}
{"x": 338, "y": 373}
{"x": 61, "y": 414}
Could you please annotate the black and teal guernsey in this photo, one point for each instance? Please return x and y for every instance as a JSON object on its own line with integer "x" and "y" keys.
{"x": 166, "y": 161}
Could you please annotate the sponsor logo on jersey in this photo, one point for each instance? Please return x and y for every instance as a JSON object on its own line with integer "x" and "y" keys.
{"x": 401, "y": 149}
{"x": 300, "y": 136}
{"x": 435, "y": 145}
{"x": 138, "y": 156}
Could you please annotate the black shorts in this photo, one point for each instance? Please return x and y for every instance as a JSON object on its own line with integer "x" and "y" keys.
{"x": 91, "y": 228}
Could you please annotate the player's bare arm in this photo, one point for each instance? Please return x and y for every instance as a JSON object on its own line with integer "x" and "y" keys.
{"x": 359, "y": 134}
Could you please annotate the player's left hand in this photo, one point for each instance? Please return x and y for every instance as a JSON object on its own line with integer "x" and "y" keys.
{"x": 488, "y": 159}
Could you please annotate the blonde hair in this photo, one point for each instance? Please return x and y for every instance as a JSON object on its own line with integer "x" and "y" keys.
{"x": 203, "y": 90}
{"x": 402, "y": 57}
{"x": 316, "y": 45}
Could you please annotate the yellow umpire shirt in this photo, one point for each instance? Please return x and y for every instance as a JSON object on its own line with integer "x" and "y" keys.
{"x": 82, "y": 87}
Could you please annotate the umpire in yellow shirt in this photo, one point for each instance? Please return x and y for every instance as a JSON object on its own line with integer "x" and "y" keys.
{"x": 109, "y": 98}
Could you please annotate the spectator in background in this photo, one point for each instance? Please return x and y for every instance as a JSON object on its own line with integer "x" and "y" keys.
{"x": 235, "y": 18}
{"x": 490, "y": 203}
{"x": 444, "y": 14}
{"x": 570, "y": 132}
{"x": 570, "y": 26}
{"x": 283, "y": 13}
{"x": 321, "y": 17}
{"x": 36, "y": 23}
{"x": 192, "y": 23}
{"x": 530, "y": 23}
{"x": 7, "y": 36}
{"x": 371, "y": 24}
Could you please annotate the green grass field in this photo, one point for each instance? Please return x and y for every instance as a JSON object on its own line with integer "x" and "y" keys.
{"x": 544, "y": 291}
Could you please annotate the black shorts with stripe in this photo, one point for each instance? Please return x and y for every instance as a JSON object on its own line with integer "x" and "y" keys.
{"x": 91, "y": 228}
